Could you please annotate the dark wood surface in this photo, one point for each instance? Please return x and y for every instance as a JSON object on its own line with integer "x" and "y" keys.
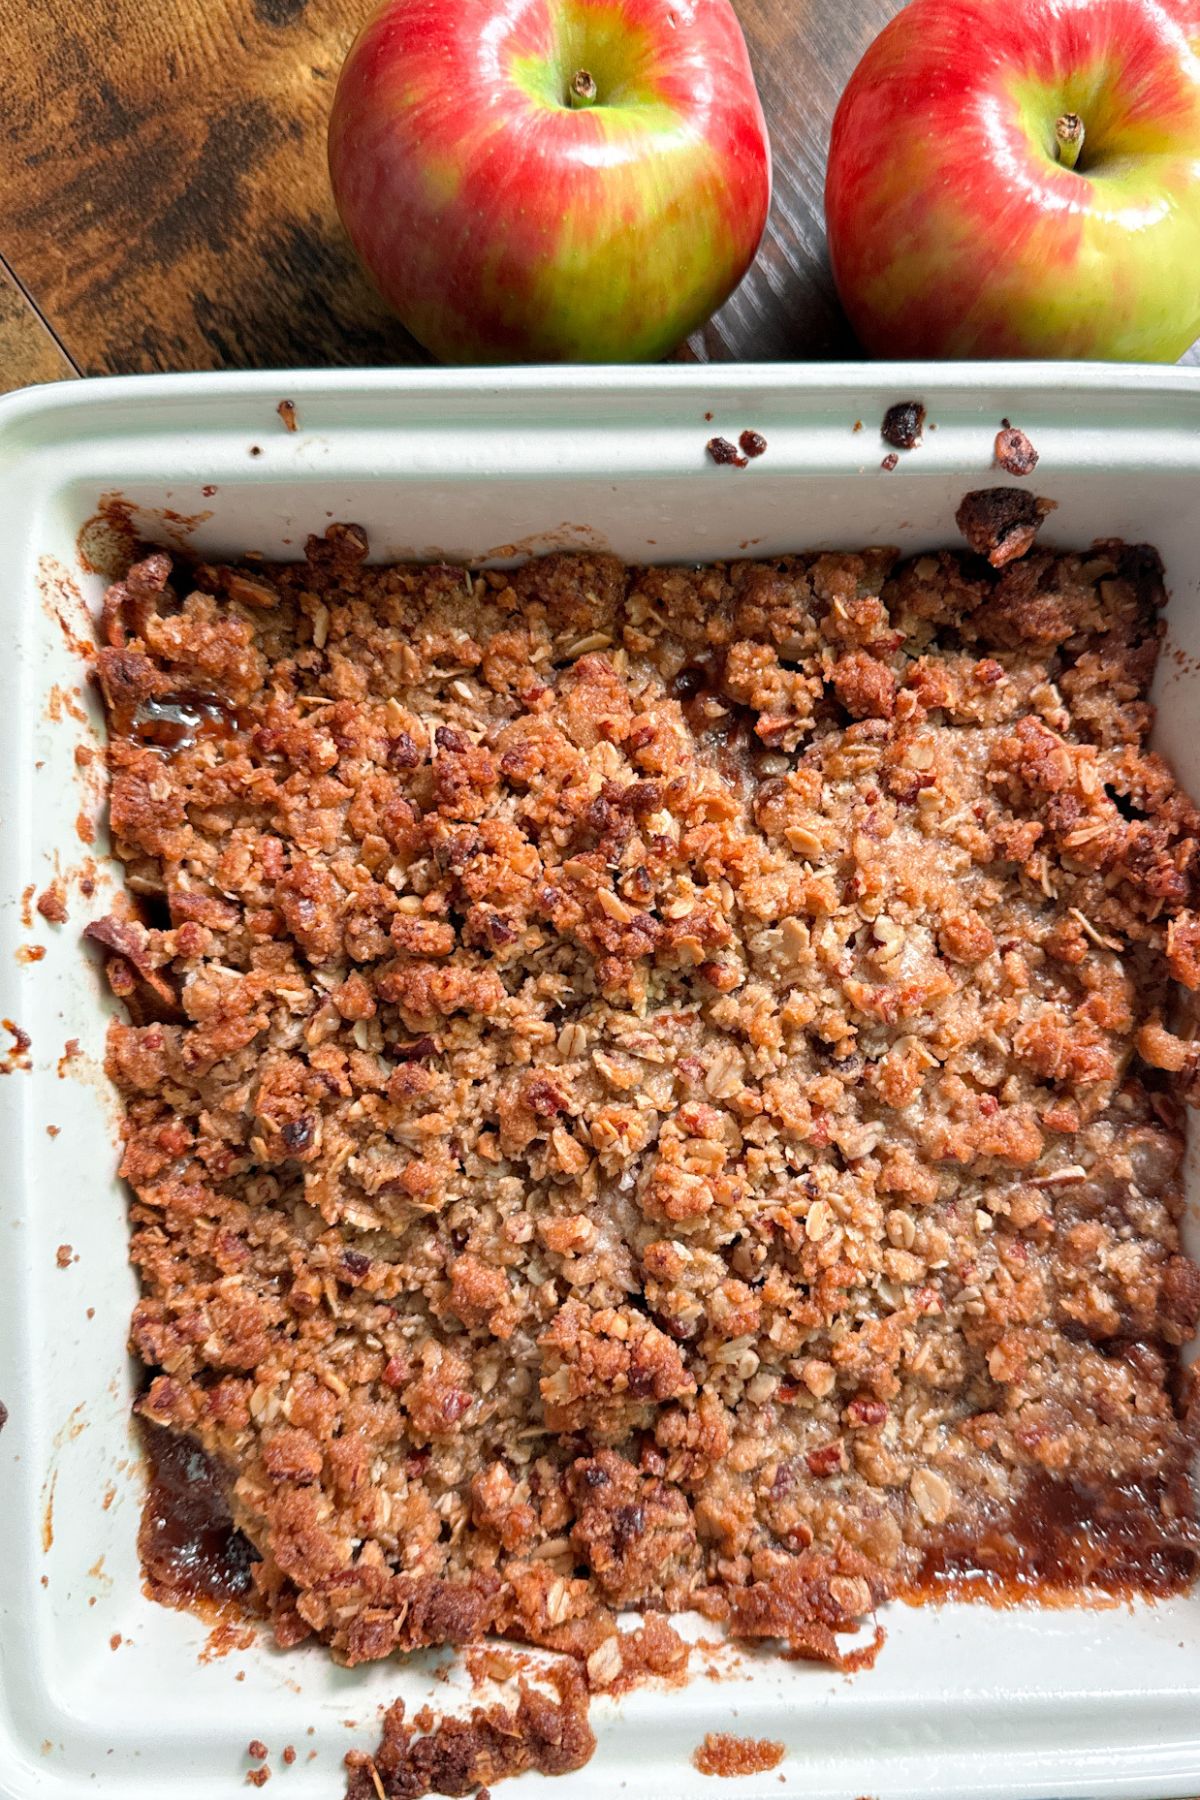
{"x": 164, "y": 202}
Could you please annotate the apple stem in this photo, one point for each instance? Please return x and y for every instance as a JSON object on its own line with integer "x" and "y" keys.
{"x": 1068, "y": 139}
{"x": 583, "y": 89}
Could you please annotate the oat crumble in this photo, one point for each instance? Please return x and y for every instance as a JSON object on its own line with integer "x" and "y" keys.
{"x": 655, "y": 1088}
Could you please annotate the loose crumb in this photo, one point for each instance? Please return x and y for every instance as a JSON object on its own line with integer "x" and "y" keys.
{"x": 63, "y": 1256}
{"x": 114, "y": 1642}
{"x": 256, "y": 449}
{"x": 889, "y": 462}
{"x": 903, "y": 424}
{"x": 288, "y": 1755}
{"x": 1001, "y": 523}
{"x": 721, "y": 1754}
{"x": 753, "y": 443}
{"x": 287, "y": 412}
{"x": 257, "y": 1749}
{"x": 258, "y": 1777}
{"x": 722, "y": 451}
{"x": 16, "y": 1057}
{"x": 451, "y": 1755}
{"x": 51, "y": 903}
{"x": 53, "y": 1130}
{"x": 1014, "y": 452}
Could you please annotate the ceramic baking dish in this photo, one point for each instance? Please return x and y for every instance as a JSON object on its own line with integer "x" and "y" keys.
{"x": 102, "y": 1692}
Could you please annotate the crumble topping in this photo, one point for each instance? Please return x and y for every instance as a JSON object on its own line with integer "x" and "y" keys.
{"x": 652, "y": 1088}
{"x": 722, "y": 1754}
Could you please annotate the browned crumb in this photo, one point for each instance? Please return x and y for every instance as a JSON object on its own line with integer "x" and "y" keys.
{"x": 257, "y": 1749}
{"x": 258, "y": 1777}
{"x": 52, "y": 904}
{"x": 16, "y": 1057}
{"x": 287, "y": 412}
{"x": 721, "y": 1754}
{"x": 1001, "y": 523}
{"x": 30, "y": 953}
{"x": 456, "y": 1756}
{"x": 857, "y": 425}
{"x": 114, "y": 1642}
{"x": 753, "y": 443}
{"x": 708, "y": 418}
{"x": 903, "y": 424}
{"x": 256, "y": 449}
{"x": 53, "y": 1130}
{"x": 288, "y": 1755}
{"x": 63, "y": 1256}
{"x": 722, "y": 451}
{"x": 1014, "y": 452}
{"x": 889, "y": 462}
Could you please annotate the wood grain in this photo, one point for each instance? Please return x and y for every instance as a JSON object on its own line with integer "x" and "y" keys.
{"x": 164, "y": 196}
{"x": 803, "y": 52}
{"x": 164, "y": 202}
{"x": 28, "y": 351}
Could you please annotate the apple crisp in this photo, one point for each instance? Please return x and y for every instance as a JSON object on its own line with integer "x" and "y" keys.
{"x": 657, "y": 1088}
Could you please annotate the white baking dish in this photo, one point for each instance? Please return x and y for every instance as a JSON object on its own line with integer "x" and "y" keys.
{"x": 964, "y": 1700}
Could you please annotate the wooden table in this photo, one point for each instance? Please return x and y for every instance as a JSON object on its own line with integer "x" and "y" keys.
{"x": 164, "y": 202}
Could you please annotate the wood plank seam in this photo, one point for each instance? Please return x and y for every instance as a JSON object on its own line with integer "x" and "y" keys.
{"x": 6, "y": 268}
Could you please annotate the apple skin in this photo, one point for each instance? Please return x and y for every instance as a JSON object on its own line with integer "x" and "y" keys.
{"x": 505, "y": 225}
{"x": 954, "y": 230}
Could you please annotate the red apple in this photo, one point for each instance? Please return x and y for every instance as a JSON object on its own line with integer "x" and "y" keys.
{"x": 967, "y": 215}
{"x": 551, "y": 180}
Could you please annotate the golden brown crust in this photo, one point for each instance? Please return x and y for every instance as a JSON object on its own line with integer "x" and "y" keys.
{"x": 645, "y": 1084}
